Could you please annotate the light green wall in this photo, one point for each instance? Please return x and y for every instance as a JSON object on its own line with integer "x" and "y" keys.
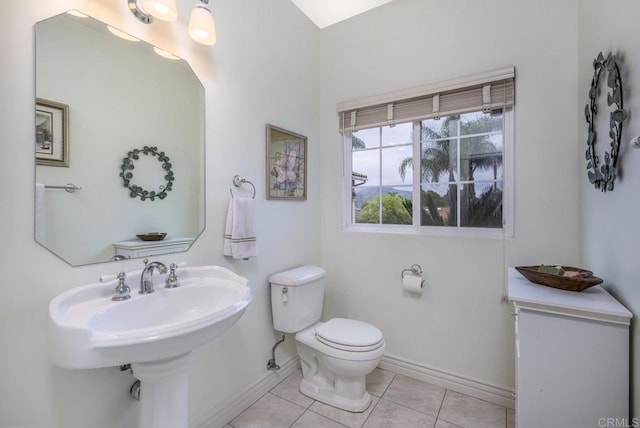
{"x": 459, "y": 325}
{"x": 286, "y": 72}
{"x": 256, "y": 74}
{"x": 610, "y": 235}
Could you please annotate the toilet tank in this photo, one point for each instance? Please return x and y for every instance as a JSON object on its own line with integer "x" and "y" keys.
{"x": 296, "y": 298}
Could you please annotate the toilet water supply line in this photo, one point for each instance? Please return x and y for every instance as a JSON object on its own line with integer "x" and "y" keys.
{"x": 271, "y": 364}
{"x": 134, "y": 391}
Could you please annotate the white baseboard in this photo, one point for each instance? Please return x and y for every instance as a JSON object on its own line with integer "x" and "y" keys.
{"x": 498, "y": 394}
{"x": 224, "y": 412}
{"x": 227, "y": 410}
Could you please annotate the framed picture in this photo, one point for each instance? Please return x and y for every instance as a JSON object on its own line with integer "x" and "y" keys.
{"x": 286, "y": 164}
{"x": 52, "y": 133}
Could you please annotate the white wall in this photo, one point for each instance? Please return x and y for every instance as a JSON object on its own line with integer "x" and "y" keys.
{"x": 459, "y": 324}
{"x": 267, "y": 71}
{"x": 610, "y": 235}
{"x": 256, "y": 74}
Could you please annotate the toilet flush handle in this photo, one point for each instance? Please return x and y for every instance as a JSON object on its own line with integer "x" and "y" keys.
{"x": 285, "y": 290}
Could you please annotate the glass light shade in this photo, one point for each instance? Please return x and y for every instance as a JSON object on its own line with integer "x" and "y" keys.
{"x": 164, "y": 10}
{"x": 202, "y": 28}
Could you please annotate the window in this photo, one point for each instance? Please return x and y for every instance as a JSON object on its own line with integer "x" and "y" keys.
{"x": 446, "y": 169}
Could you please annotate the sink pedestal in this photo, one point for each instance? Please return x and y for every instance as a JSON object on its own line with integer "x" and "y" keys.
{"x": 163, "y": 392}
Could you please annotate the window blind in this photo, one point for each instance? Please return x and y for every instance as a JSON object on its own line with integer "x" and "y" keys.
{"x": 485, "y": 92}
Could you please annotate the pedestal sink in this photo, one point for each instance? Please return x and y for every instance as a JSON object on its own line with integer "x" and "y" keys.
{"x": 156, "y": 333}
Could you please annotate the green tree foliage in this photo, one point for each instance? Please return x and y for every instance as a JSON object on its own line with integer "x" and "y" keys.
{"x": 393, "y": 210}
{"x": 485, "y": 211}
{"x": 437, "y": 161}
{"x": 429, "y": 214}
{"x": 357, "y": 143}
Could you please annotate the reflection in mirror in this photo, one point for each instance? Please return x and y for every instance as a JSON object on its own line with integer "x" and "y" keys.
{"x": 119, "y": 95}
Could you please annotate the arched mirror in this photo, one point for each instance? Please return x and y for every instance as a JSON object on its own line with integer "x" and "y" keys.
{"x": 98, "y": 98}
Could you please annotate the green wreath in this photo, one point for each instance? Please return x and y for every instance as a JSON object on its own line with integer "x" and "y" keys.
{"x": 127, "y": 175}
{"x": 602, "y": 176}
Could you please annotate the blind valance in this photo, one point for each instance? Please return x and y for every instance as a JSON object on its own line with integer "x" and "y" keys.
{"x": 486, "y": 92}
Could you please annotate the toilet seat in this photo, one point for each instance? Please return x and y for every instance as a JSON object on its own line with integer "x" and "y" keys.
{"x": 349, "y": 335}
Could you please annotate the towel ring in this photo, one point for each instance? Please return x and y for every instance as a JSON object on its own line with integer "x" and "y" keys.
{"x": 239, "y": 181}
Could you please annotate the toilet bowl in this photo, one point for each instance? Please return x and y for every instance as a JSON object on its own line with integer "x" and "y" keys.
{"x": 336, "y": 356}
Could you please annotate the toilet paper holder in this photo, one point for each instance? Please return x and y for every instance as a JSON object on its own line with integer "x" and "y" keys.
{"x": 415, "y": 269}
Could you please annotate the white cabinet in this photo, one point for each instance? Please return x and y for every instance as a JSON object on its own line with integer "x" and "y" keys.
{"x": 137, "y": 248}
{"x": 572, "y": 356}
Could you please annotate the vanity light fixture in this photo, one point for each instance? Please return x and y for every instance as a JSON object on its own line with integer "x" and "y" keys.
{"x": 202, "y": 27}
{"x": 164, "y": 10}
{"x": 136, "y": 8}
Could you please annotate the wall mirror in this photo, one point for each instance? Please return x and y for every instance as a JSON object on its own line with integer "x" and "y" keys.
{"x": 118, "y": 95}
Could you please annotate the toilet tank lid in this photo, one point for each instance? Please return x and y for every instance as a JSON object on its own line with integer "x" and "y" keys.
{"x": 297, "y": 276}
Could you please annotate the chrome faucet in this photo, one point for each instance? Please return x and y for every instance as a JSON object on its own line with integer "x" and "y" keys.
{"x": 146, "y": 284}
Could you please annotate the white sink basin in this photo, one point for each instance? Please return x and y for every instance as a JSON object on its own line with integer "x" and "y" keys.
{"x": 89, "y": 330}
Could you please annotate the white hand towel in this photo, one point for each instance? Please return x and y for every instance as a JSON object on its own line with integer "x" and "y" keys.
{"x": 41, "y": 215}
{"x": 239, "y": 234}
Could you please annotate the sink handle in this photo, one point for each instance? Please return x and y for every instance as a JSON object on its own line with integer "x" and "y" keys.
{"x": 123, "y": 292}
{"x": 172, "y": 278}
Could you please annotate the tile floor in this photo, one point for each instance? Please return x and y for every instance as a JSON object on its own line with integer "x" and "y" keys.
{"x": 398, "y": 401}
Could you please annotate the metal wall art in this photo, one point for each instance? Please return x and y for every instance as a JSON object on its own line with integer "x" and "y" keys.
{"x": 603, "y": 175}
{"x": 127, "y": 168}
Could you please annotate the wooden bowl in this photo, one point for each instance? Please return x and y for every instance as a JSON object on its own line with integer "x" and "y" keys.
{"x": 154, "y": 236}
{"x": 558, "y": 281}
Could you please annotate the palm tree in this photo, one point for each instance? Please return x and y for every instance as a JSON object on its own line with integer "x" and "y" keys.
{"x": 483, "y": 153}
{"x": 436, "y": 160}
{"x": 486, "y": 211}
{"x": 357, "y": 143}
{"x": 480, "y": 153}
{"x": 429, "y": 216}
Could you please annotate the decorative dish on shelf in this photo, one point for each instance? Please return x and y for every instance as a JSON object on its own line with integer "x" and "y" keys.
{"x": 153, "y": 236}
{"x": 580, "y": 279}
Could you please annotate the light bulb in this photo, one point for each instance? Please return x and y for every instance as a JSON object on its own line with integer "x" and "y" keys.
{"x": 164, "y": 10}
{"x": 202, "y": 28}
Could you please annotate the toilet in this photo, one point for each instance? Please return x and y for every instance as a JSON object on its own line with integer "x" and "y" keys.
{"x": 335, "y": 355}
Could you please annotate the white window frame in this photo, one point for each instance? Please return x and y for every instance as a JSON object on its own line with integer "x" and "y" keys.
{"x": 508, "y": 193}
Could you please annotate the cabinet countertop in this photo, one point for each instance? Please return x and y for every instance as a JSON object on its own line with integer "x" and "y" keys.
{"x": 593, "y": 303}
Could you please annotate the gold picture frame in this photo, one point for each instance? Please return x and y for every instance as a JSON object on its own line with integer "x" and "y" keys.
{"x": 51, "y": 133}
{"x": 286, "y": 164}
